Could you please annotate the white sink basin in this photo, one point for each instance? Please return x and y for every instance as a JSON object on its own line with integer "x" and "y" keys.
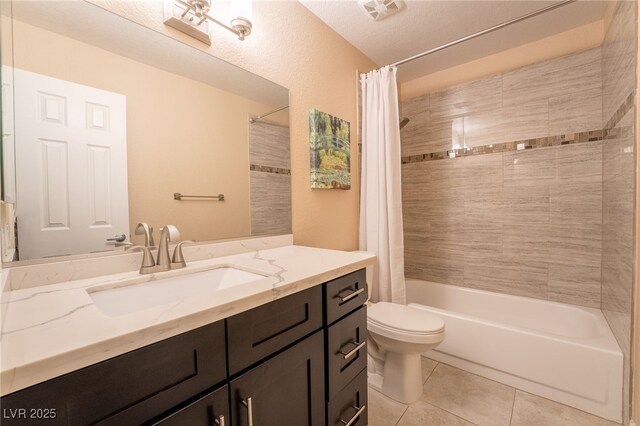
{"x": 126, "y": 299}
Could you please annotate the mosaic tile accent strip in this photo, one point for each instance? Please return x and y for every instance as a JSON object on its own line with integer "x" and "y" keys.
{"x": 565, "y": 139}
{"x": 620, "y": 133}
{"x": 269, "y": 169}
{"x": 621, "y": 112}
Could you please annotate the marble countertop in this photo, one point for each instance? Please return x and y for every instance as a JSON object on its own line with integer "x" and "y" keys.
{"x": 54, "y": 329}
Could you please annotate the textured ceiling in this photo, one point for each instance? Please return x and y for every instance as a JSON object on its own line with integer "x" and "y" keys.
{"x": 423, "y": 25}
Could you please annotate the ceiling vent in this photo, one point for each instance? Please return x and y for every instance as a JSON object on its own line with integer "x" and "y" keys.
{"x": 380, "y": 9}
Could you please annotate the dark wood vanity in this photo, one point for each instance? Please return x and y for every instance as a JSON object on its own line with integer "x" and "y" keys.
{"x": 299, "y": 360}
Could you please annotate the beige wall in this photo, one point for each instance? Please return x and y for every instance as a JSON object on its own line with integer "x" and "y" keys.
{"x": 292, "y": 47}
{"x": 200, "y": 152}
{"x": 575, "y": 40}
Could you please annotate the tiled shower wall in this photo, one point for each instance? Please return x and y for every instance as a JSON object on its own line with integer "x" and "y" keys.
{"x": 270, "y": 178}
{"x": 618, "y": 68}
{"x": 525, "y": 222}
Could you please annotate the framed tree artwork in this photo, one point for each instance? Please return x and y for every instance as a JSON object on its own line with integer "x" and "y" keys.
{"x": 329, "y": 140}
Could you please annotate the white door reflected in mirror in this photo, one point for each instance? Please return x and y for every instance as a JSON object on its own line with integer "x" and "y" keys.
{"x": 71, "y": 157}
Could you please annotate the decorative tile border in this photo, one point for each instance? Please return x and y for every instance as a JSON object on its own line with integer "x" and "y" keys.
{"x": 558, "y": 140}
{"x": 269, "y": 169}
{"x": 620, "y": 133}
{"x": 621, "y": 111}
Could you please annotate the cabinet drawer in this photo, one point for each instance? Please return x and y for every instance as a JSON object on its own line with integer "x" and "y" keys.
{"x": 345, "y": 294}
{"x": 286, "y": 390}
{"x": 349, "y": 402}
{"x": 258, "y": 333}
{"x": 210, "y": 410}
{"x": 347, "y": 350}
{"x": 133, "y": 387}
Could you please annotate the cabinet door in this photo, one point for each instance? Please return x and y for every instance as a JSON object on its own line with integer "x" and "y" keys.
{"x": 130, "y": 388}
{"x": 210, "y": 410}
{"x": 285, "y": 390}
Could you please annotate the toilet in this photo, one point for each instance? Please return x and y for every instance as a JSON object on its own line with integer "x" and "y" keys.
{"x": 397, "y": 336}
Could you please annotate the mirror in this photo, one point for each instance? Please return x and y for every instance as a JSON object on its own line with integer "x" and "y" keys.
{"x": 105, "y": 120}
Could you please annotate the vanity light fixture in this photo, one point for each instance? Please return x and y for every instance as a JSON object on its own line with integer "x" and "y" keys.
{"x": 192, "y": 18}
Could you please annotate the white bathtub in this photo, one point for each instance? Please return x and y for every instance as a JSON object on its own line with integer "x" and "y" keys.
{"x": 562, "y": 352}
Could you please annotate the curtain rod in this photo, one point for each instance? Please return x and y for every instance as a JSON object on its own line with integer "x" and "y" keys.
{"x": 260, "y": 117}
{"x": 483, "y": 32}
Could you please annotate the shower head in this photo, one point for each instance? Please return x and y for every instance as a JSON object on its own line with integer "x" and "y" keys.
{"x": 404, "y": 122}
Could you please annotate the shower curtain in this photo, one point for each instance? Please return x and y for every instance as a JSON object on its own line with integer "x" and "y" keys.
{"x": 380, "y": 187}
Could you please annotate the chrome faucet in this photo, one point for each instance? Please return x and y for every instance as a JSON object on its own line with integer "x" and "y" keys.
{"x": 164, "y": 261}
{"x": 146, "y": 230}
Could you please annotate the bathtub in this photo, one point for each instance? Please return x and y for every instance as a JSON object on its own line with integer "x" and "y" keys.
{"x": 562, "y": 352}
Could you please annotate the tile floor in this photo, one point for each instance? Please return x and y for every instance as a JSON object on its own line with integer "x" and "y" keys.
{"x": 455, "y": 397}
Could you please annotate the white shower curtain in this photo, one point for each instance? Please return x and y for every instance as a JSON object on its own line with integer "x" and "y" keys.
{"x": 380, "y": 190}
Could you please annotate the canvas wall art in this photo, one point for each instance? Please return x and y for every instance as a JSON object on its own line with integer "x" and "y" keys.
{"x": 329, "y": 139}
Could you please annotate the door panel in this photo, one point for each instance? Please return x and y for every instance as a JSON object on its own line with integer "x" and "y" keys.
{"x": 71, "y": 166}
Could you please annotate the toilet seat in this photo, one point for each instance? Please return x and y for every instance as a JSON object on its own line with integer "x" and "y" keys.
{"x": 404, "y": 320}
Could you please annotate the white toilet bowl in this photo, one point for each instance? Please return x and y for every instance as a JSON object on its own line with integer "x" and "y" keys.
{"x": 398, "y": 335}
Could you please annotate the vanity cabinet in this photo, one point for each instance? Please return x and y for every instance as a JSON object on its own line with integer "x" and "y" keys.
{"x": 128, "y": 389}
{"x": 346, "y": 353}
{"x": 299, "y": 360}
{"x": 211, "y": 409}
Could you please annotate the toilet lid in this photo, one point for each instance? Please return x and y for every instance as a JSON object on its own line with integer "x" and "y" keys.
{"x": 404, "y": 318}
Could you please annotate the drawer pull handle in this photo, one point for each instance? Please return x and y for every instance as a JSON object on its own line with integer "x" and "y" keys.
{"x": 351, "y": 295}
{"x": 359, "y": 411}
{"x": 249, "y": 404}
{"x": 220, "y": 420}
{"x": 352, "y": 352}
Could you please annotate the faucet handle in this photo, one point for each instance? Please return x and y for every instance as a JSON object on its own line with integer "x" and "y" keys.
{"x": 177, "y": 260}
{"x": 147, "y": 259}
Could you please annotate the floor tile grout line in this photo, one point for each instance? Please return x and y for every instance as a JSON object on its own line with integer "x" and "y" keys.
{"x": 513, "y": 406}
{"x": 438, "y": 363}
{"x": 453, "y": 414}
{"x": 434, "y": 369}
{"x": 464, "y": 418}
{"x": 402, "y": 415}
